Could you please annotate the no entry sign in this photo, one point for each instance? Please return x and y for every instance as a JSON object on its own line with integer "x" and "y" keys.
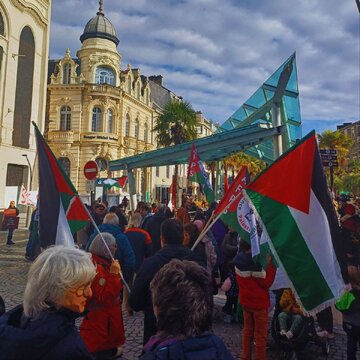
{"x": 91, "y": 170}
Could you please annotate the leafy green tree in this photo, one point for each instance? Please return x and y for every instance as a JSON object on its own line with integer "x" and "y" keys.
{"x": 177, "y": 124}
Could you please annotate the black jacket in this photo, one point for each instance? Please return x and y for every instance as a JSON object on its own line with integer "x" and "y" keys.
{"x": 153, "y": 226}
{"x": 140, "y": 297}
{"x": 207, "y": 346}
{"x": 51, "y": 336}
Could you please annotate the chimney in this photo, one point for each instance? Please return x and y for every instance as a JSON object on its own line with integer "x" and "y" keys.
{"x": 157, "y": 79}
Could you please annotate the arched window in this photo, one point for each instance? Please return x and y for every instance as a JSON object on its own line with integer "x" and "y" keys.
{"x": 127, "y": 125}
{"x": 96, "y": 119}
{"x": 146, "y": 131}
{"x": 129, "y": 84}
{"x": 136, "y": 129}
{"x": 24, "y": 89}
{"x": 109, "y": 121}
{"x": 104, "y": 75}
{"x": 65, "y": 164}
{"x": 65, "y": 118}
{"x": 2, "y": 25}
{"x": 138, "y": 90}
{"x": 67, "y": 74}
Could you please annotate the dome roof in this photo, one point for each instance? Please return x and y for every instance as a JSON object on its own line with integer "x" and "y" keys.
{"x": 100, "y": 27}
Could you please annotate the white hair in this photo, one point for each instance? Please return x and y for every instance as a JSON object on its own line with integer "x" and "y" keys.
{"x": 111, "y": 218}
{"x": 135, "y": 220}
{"x": 100, "y": 246}
{"x": 56, "y": 271}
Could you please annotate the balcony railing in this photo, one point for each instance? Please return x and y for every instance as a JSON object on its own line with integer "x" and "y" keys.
{"x": 103, "y": 89}
{"x": 61, "y": 136}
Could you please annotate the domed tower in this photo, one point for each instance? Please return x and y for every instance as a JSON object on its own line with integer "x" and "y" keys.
{"x": 100, "y": 60}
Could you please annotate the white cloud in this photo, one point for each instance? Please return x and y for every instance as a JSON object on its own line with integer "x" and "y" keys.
{"x": 216, "y": 54}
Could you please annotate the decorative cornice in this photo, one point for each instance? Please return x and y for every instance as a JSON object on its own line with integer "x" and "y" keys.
{"x": 136, "y": 101}
{"x": 38, "y": 13}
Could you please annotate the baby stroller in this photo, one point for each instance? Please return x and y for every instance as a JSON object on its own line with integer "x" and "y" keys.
{"x": 306, "y": 333}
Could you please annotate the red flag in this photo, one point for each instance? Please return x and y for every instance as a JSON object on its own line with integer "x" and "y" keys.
{"x": 234, "y": 190}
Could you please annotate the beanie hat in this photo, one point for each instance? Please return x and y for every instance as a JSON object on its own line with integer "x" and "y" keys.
{"x": 199, "y": 224}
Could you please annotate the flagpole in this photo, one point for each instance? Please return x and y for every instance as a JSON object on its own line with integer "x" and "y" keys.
{"x": 203, "y": 233}
{"x": 106, "y": 245}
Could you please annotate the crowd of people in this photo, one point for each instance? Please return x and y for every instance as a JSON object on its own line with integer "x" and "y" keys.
{"x": 145, "y": 260}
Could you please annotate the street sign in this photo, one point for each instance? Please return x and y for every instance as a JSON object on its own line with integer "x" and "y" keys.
{"x": 91, "y": 170}
{"x": 330, "y": 163}
{"x": 328, "y": 157}
{"x": 90, "y": 185}
{"x": 328, "y": 151}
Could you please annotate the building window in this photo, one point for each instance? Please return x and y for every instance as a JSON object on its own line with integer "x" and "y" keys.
{"x": 168, "y": 171}
{"x": 109, "y": 121}
{"x": 138, "y": 90}
{"x": 65, "y": 165}
{"x": 104, "y": 76}
{"x": 136, "y": 129}
{"x": 24, "y": 89}
{"x": 157, "y": 171}
{"x": 146, "y": 131}
{"x": 67, "y": 74}
{"x": 65, "y": 118}
{"x": 127, "y": 125}
{"x": 2, "y": 25}
{"x": 96, "y": 119}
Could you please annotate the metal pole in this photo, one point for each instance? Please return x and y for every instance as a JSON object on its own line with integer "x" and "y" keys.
{"x": 276, "y": 120}
{"x": 132, "y": 189}
{"x": 30, "y": 188}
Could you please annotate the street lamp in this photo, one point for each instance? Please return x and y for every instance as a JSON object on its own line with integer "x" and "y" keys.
{"x": 30, "y": 168}
{"x": 31, "y": 179}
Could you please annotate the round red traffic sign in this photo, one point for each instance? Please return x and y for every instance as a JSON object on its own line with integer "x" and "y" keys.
{"x": 91, "y": 170}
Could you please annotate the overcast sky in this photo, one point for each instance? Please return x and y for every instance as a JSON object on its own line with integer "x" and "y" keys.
{"x": 216, "y": 53}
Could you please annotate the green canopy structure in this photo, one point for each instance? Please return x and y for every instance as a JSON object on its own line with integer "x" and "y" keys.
{"x": 265, "y": 125}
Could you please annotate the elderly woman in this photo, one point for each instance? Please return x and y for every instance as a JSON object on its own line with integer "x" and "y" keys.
{"x": 178, "y": 288}
{"x": 59, "y": 283}
{"x": 102, "y": 329}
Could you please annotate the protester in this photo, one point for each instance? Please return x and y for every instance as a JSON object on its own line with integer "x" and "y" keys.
{"x": 291, "y": 313}
{"x": 231, "y": 289}
{"x": 349, "y": 305}
{"x": 172, "y": 235}
{"x": 58, "y": 285}
{"x": 100, "y": 210}
{"x": 153, "y": 227}
{"x": 124, "y": 252}
{"x": 183, "y": 287}
{"x": 139, "y": 239}
{"x": 119, "y": 211}
{"x": 11, "y": 229}
{"x": 229, "y": 247}
{"x": 146, "y": 214}
{"x": 254, "y": 283}
{"x": 103, "y": 329}
{"x": 191, "y": 233}
{"x": 33, "y": 244}
{"x": 182, "y": 213}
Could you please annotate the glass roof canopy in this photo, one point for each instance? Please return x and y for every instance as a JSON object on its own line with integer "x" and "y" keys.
{"x": 257, "y": 110}
{"x": 249, "y": 129}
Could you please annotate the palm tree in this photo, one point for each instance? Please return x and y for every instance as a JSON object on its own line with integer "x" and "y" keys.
{"x": 177, "y": 124}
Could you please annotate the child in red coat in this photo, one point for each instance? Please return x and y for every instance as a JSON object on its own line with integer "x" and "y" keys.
{"x": 103, "y": 329}
{"x": 254, "y": 283}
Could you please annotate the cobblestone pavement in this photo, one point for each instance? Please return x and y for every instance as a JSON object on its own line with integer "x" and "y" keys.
{"x": 13, "y": 273}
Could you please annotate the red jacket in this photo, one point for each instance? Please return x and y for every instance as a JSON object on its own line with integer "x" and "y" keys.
{"x": 103, "y": 327}
{"x": 253, "y": 282}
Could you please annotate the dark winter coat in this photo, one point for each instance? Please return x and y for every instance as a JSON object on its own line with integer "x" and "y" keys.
{"x": 153, "y": 226}
{"x": 124, "y": 252}
{"x": 140, "y": 297}
{"x": 51, "y": 336}
{"x": 207, "y": 346}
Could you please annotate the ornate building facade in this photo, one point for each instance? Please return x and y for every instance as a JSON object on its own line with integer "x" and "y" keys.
{"x": 97, "y": 111}
{"x": 24, "y": 44}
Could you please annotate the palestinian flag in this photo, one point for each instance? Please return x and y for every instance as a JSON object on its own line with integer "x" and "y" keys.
{"x": 119, "y": 182}
{"x": 197, "y": 173}
{"x": 292, "y": 201}
{"x": 61, "y": 211}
